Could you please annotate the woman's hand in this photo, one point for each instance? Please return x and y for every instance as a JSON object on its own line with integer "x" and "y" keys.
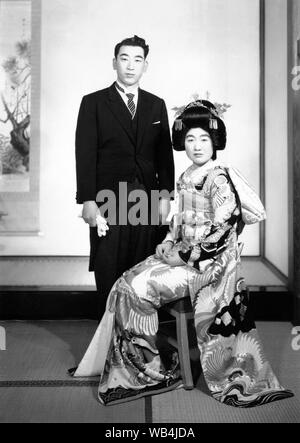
{"x": 163, "y": 249}
{"x": 173, "y": 259}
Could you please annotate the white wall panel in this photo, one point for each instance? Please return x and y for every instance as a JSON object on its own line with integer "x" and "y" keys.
{"x": 276, "y": 174}
{"x": 195, "y": 46}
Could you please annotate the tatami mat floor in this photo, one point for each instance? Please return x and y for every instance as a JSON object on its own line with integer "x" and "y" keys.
{"x": 34, "y": 385}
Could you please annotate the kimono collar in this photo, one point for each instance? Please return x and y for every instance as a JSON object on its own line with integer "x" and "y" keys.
{"x": 196, "y": 173}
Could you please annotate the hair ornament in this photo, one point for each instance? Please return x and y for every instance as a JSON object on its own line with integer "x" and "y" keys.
{"x": 214, "y": 112}
{"x": 213, "y": 123}
{"x": 178, "y": 124}
{"x": 195, "y": 104}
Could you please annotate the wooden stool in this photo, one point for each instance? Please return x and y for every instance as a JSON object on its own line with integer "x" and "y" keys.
{"x": 182, "y": 311}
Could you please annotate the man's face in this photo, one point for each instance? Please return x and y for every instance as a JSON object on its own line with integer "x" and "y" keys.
{"x": 130, "y": 65}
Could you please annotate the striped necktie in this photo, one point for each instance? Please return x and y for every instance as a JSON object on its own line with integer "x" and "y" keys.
{"x": 130, "y": 102}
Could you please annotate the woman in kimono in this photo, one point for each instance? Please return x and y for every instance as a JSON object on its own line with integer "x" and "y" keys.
{"x": 198, "y": 259}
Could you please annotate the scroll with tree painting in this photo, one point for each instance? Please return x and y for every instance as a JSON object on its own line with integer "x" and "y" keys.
{"x": 18, "y": 162}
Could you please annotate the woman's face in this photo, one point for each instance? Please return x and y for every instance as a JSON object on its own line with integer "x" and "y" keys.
{"x": 198, "y": 146}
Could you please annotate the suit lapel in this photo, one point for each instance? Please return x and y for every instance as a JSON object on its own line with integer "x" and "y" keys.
{"x": 144, "y": 116}
{"x": 120, "y": 111}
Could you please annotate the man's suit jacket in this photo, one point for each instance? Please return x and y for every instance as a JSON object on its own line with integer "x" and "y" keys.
{"x": 108, "y": 151}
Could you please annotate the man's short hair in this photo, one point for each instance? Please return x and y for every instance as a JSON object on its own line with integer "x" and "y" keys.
{"x": 133, "y": 41}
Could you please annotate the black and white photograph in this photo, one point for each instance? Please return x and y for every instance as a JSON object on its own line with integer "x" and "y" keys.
{"x": 149, "y": 214}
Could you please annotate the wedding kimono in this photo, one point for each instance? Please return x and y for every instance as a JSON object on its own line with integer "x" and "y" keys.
{"x": 213, "y": 204}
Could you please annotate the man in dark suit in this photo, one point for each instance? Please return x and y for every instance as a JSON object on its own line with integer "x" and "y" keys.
{"x": 122, "y": 136}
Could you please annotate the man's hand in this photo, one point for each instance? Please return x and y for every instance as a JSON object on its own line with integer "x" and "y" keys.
{"x": 89, "y": 213}
{"x": 163, "y": 249}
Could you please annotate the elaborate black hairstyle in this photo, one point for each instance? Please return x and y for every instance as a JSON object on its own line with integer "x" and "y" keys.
{"x": 199, "y": 114}
{"x": 133, "y": 41}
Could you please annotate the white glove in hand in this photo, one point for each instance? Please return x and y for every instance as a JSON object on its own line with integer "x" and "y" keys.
{"x": 102, "y": 226}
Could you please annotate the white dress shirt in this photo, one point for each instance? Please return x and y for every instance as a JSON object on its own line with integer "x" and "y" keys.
{"x": 134, "y": 91}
